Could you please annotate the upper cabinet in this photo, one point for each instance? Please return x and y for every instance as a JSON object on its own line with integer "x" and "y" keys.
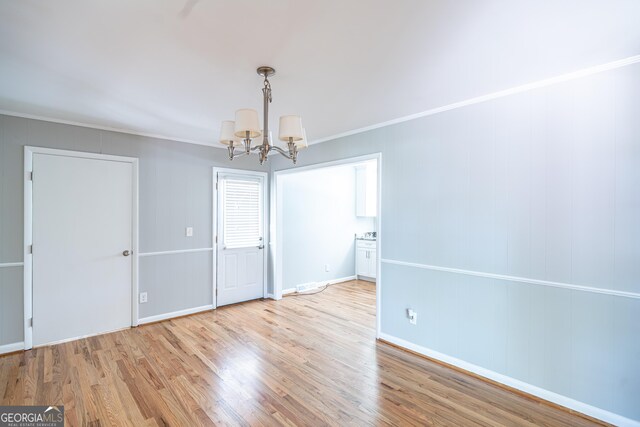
{"x": 367, "y": 189}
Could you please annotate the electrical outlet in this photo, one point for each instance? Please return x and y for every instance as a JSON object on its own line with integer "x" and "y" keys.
{"x": 143, "y": 297}
{"x": 327, "y": 268}
{"x": 413, "y": 316}
{"x": 189, "y": 232}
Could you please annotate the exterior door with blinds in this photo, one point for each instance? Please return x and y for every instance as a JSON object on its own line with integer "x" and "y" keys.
{"x": 240, "y": 240}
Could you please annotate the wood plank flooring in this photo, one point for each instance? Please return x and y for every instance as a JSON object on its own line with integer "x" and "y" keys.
{"x": 310, "y": 360}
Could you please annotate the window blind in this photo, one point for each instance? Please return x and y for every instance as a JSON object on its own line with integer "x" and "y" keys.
{"x": 242, "y": 213}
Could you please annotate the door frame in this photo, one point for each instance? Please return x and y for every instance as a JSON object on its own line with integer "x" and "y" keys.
{"x": 29, "y": 151}
{"x": 214, "y": 228}
{"x": 276, "y": 224}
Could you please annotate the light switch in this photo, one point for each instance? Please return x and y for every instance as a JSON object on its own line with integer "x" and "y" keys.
{"x": 413, "y": 316}
{"x": 189, "y": 232}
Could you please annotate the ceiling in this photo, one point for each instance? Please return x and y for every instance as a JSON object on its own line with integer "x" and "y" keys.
{"x": 178, "y": 68}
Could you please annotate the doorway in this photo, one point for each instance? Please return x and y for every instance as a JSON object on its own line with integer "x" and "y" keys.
{"x": 239, "y": 235}
{"x": 80, "y": 244}
{"x": 327, "y": 227}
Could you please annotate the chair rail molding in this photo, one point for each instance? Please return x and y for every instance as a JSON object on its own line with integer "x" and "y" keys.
{"x": 11, "y": 264}
{"x": 177, "y": 251}
{"x": 516, "y": 279}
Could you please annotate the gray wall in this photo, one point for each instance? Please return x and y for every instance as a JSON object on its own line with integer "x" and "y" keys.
{"x": 175, "y": 192}
{"x": 319, "y": 213}
{"x": 541, "y": 185}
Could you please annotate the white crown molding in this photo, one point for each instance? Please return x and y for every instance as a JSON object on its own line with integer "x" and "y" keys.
{"x": 550, "y": 396}
{"x": 491, "y": 96}
{"x": 516, "y": 279}
{"x": 488, "y": 97}
{"x": 105, "y": 128}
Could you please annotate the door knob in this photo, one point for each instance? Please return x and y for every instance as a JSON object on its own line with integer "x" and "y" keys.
{"x": 126, "y": 253}
{"x": 261, "y": 247}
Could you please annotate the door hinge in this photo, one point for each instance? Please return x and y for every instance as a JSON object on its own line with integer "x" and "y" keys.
{"x": 216, "y": 185}
{"x": 31, "y": 249}
{"x": 30, "y": 176}
{"x": 216, "y": 240}
{"x": 31, "y": 322}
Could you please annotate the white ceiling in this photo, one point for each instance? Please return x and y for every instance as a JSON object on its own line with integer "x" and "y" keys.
{"x": 177, "y": 68}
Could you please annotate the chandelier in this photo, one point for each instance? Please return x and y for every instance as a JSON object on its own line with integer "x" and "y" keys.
{"x": 240, "y": 133}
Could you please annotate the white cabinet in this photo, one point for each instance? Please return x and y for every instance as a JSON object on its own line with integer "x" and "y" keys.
{"x": 362, "y": 261}
{"x": 366, "y": 190}
{"x": 366, "y": 260}
{"x": 373, "y": 262}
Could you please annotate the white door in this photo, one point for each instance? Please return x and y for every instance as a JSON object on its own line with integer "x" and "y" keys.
{"x": 82, "y": 224}
{"x": 240, "y": 244}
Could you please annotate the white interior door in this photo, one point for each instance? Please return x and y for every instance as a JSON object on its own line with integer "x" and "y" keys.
{"x": 82, "y": 224}
{"x": 240, "y": 247}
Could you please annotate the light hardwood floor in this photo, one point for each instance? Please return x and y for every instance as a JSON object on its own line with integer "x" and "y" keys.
{"x": 309, "y": 360}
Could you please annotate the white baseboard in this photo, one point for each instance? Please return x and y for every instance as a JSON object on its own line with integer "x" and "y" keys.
{"x": 81, "y": 337}
{"x": 342, "y": 279}
{"x": 10, "y": 348}
{"x": 321, "y": 284}
{"x": 271, "y": 296}
{"x": 173, "y": 314}
{"x": 567, "y": 402}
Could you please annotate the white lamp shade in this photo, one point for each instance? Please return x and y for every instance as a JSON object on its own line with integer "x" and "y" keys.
{"x": 290, "y": 127}
{"x": 227, "y": 132}
{"x": 303, "y": 142}
{"x": 299, "y": 144}
{"x": 247, "y": 121}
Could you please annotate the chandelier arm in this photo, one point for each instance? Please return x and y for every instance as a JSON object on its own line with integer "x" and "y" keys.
{"x": 239, "y": 154}
{"x": 247, "y": 143}
{"x": 293, "y": 150}
{"x": 281, "y": 151}
{"x": 233, "y": 153}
